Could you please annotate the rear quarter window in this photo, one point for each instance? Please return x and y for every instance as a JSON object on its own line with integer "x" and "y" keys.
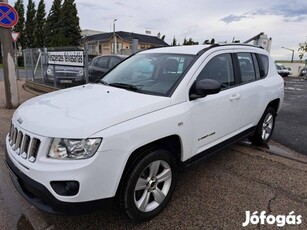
{"x": 263, "y": 65}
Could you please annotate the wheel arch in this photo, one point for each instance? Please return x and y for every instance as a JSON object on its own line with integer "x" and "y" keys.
{"x": 275, "y": 104}
{"x": 171, "y": 143}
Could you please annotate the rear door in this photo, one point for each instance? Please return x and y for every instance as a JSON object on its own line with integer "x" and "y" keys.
{"x": 101, "y": 66}
{"x": 114, "y": 61}
{"x": 251, "y": 88}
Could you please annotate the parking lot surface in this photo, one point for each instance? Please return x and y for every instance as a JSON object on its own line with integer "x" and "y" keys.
{"x": 213, "y": 194}
{"x": 291, "y": 123}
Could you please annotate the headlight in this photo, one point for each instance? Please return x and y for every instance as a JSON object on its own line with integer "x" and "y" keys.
{"x": 73, "y": 148}
{"x": 80, "y": 73}
{"x": 50, "y": 72}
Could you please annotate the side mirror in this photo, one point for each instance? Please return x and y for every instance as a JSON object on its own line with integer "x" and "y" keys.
{"x": 205, "y": 87}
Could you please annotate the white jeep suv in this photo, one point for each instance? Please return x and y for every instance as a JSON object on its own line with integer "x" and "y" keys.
{"x": 126, "y": 135}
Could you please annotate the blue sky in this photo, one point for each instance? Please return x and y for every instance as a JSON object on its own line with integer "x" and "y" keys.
{"x": 285, "y": 21}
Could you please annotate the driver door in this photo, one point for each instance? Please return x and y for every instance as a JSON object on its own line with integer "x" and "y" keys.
{"x": 216, "y": 117}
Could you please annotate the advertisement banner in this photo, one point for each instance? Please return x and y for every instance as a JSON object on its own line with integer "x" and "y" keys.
{"x": 69, "y": 58}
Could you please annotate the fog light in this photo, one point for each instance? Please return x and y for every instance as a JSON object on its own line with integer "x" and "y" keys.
{"x": 65, "y": 188}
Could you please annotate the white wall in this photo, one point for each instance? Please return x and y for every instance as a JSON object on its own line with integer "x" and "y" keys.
{"x": 296, "y": 67}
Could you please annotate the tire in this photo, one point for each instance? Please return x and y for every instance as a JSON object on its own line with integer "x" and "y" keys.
{"x": 149, "y": 185}
{"x": 265, "y": 127}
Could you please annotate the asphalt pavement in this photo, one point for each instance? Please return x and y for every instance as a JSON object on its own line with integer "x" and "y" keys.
{"x": 291, "y": 123}
{"x": 214, "y": 194}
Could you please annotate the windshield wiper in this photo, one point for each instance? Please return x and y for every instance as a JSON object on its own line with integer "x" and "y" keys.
{"x": 102, "y": 82}
{"x": 126, "y": 86}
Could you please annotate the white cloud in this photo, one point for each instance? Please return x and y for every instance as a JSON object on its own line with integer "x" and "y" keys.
{"x": 283, "y": 20}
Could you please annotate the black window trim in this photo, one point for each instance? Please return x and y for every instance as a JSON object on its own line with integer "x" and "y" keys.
{"x": 260, "y": 63}
{"x": 234, "y": 69}
{"x": 256, "y": 65}
{"x": 239, "y": 72}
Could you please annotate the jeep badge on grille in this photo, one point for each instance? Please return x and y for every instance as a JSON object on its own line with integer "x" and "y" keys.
{"x": 20, "y": 120}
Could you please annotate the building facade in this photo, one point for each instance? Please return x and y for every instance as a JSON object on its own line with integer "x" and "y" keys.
{"x": 102, "y": 44}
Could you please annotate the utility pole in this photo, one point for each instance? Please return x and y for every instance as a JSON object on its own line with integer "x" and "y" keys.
{"x": 291, "y": 51}
{"x": 115, "y": 42}
{"x": 10, "y": 82}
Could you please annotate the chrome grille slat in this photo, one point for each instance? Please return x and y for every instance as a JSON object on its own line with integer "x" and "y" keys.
{"x": 18, "y": 140}
{"x": 26, "y": 144}
{"x": 14, "y": 137}
{"x": 23, "y": 144}
{"x": 11, "y": 131}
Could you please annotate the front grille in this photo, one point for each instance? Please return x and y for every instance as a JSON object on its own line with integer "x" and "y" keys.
{"x": 68, "y": 75}
{"x": 23, "y": 144}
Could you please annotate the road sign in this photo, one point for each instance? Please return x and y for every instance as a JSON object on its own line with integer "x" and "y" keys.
{"x": 15, "y": 36}
{"x": 8, "y": 15}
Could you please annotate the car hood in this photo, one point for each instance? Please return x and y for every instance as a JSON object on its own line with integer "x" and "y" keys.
{"x": 81, "y": 111}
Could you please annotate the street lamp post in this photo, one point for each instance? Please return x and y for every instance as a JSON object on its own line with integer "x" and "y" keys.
{"x": 290, "y": 50}
{"x": 114, "y": 36}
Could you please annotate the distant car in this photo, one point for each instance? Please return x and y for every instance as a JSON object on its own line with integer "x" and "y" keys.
{"x": 282, "y": 70}
{"x": 101, "y": 64}
{"x": 64, "y": 74}
{"x": 304, "y": 72}
{"x": 289, "y": 70}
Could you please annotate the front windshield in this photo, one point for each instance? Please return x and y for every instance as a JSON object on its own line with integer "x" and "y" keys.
{"x": 153, "y": 73}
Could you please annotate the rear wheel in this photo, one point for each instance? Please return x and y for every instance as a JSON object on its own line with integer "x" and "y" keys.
{"x": 149, "y": 185}
{"x": 264, "y": 128}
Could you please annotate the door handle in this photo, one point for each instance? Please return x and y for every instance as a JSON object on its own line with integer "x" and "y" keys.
{"x": 235, "y": 97}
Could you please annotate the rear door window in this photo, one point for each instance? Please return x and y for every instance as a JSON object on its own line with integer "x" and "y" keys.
{"x": 114, "y": 61}
{"x": 246, "y": 67}
{"x": 102, "y": 62}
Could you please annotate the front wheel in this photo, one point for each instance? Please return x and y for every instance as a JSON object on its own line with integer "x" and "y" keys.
{"x": 149, "y": 185}
{"x": 265, "y": 127}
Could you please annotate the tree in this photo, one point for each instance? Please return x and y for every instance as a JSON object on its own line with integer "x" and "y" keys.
{"x": 209, "y": 42}
{"x": 206, "y": 42}
{"x": 40, "y": 31}
{"x": 302, "y": 49}
{"x": 185, "y": 41}
{"x": 174, "y": 43}
{"x": 20, "y": 26}
{"x": 189, "y": 42}
{"x": 72, "y": 31}
{"x": 30, "y": 25}
{"x": 54, "y": 26}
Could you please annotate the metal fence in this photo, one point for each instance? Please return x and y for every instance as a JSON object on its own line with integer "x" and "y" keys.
{"x": 43, "y": 66}
{"x": 39, "y": 68}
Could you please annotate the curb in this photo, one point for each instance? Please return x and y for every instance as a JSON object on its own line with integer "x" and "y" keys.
{"x": 279, "y": 150}
{"x": 35, "y": 218}
{"x": 26, "y": 88}
{"x": 38, "y": 88}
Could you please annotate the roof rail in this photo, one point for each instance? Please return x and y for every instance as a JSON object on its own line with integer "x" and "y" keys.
{"x": 227, "y": 44}
{"x": 205, "y": 49}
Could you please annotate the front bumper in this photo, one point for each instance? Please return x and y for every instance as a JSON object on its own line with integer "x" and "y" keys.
{"x": 40, "y": 197}
{"x": 65, "y": 79}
